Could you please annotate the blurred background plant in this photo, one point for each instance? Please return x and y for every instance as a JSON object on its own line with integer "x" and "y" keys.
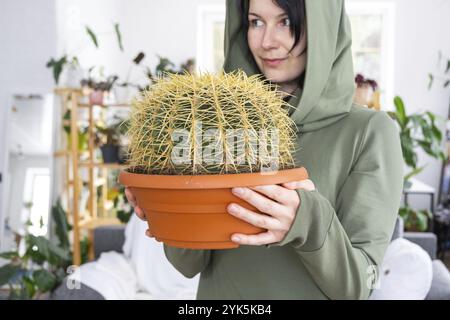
{"x": 417, "y": 131}
{"x": 39, "y": 265}
{"x": 444, "y": 77}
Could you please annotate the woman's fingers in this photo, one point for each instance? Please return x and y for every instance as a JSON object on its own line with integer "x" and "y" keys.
{"x": 307, "y": 185}
{"x": 130, "y": 197}
{"x": 277, "y": 193}
{"x": 256, "y": 219}
{"x": 149, "y": 234}
{"x": 260, "y": 202}
{"x": 132, "y": 200}
{"x": 140, "y": 213}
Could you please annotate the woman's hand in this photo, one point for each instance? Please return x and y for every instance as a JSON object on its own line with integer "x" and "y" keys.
{"x": 139, "y": 212}
{"x": 280, "y": 205}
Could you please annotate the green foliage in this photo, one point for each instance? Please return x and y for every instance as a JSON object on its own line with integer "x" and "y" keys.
{"x": 444, "y": 77}
{"x": 119, "y": 36}
{"x": 415, "y": 220}
{"x": 42, "y": 267}
{"x": 418, "y": 130}
{"x": 92, "y": 36}
{"x": 57, "y": 67}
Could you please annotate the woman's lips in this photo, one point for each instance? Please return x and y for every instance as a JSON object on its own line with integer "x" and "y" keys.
{"x": 273, "y": 62}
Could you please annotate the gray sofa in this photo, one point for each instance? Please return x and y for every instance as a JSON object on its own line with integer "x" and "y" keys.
{"x": 111, "y": 238}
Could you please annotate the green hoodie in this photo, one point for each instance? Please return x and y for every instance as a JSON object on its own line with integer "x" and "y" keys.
{"x": 353, "y": 156}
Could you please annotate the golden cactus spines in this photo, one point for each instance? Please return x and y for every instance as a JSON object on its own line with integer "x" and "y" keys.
{"x": 189, "y": 124}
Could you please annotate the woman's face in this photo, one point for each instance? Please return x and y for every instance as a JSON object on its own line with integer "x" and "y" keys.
{"x": 270, "y": 40}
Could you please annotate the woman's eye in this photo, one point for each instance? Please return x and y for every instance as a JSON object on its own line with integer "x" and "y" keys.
{"x": 256, "y": 23}
{"x": 287, "y": 22}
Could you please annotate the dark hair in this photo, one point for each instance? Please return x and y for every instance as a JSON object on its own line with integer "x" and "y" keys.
{"x": 295, "y": 10}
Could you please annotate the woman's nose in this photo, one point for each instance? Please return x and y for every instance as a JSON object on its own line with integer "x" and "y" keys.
{"x": 269, "y": 40}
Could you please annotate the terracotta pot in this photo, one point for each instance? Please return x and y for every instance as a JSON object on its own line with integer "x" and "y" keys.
{"x": 97, "y": 97}
{"x": 190, "y": 211}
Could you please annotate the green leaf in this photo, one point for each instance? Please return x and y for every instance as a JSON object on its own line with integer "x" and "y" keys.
{"x": 140, "y": 56}
{"x": 401, "y": 114}
{"x": 61, "y": 225}
{"x": 437, "y": 133}
{"x": 58, "y": 66}
{"x": 430, "y": 81}
{"x": 421, "y": 221}
{"x": 9, "y": 255}
{"x": 413, "y": 173}
{"x": 7, "y": 272}
{"x": 92, "y": 36}
{"x": 431, "y": 115}
{"x": 42, "y": 250}
{"x": 446, "y": 83}
{"x": 119, "y": 36}
{"x": 45, "y": 280}
{"x": 28, "y": 289}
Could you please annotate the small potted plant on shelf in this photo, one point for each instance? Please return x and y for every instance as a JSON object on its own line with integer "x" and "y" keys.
{"x": 195, "y": 137}
{"x": 98, "y": 88}
{"x": 112, "y": 135}
{"x": 366, "y": 92}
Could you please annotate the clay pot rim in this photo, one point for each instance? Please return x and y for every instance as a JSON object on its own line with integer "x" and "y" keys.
{"x": 217, "y": 181}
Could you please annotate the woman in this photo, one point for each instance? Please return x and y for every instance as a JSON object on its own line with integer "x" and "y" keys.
{"x": 326, "y": 236}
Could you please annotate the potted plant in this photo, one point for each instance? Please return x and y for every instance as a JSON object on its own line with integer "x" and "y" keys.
{"x": 418, "y": 130}
{"x": 97, "y": 89}
{"x": 124, "y": 91}
{"x": 195, "y": 137}
{"x": 111, "y": 136}
{"x": 366, "y": 92}
{"x": 39, "y": 265}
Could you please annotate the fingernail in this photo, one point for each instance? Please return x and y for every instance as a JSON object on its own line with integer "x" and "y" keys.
{"x": 233, "y": 208}
{"x": 238, "y": 191}
{"x": 235, "y": 238}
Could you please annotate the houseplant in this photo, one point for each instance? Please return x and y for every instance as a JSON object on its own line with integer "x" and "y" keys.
{"x": 417, "y": 130}
{"x": 367, "y": 92}
{"x": 97, "y": 88}
{"x": 41, "y": 265}
{"x": 111, "y": 135}
{"x": 192, "y": 139}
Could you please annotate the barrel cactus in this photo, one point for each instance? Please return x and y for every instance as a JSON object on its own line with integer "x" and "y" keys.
{"x": 224, "y": 123}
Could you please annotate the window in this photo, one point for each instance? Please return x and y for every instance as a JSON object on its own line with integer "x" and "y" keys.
{"x": 373, "y": 43}
{"x": 210, "y": 37}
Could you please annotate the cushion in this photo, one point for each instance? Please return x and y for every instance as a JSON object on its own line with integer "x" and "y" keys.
{"x": 155, "y": 274}
{"x": 405, "y": 274}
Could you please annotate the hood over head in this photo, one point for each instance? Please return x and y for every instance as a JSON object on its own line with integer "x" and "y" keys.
{"x": 328, "y": 90}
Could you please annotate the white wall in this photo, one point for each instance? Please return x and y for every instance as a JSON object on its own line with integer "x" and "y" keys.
{"x": 28, "y": 39}
{"x": 167, "y": 28}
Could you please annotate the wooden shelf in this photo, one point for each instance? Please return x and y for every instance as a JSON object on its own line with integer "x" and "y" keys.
{"x": 90, "y": 217}
{"x": 61, "y": 153}
{"x": 90, "y": 105}
{"x": 91, "y": 224}
{"x": 63, "y": 91}
{"x": 103, "y": 165}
